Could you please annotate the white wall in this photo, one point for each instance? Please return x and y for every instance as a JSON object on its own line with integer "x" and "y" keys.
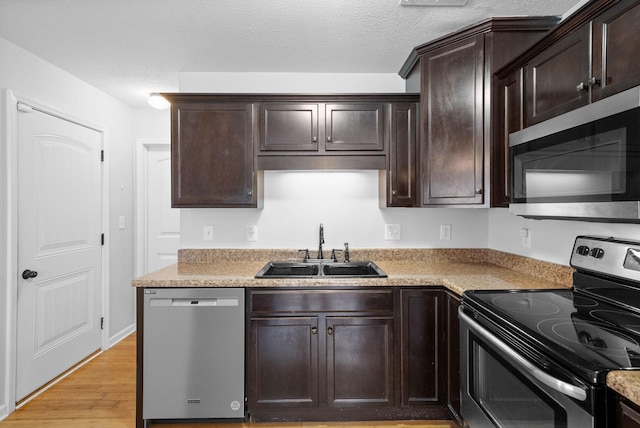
{"x": 30, "y": 76}
{"x": 551, "y": 240}
{"x": 345, "y": 202}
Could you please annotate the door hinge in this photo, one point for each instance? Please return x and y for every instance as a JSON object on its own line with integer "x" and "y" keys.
{"x": 102, "y": 323}
{"x": 101, "y": 155}
{"x": 102, "y": 239}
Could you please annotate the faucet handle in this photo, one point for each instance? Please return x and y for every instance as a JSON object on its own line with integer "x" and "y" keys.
{"x": 346, "y": 252}
{"x": 306, "y": 255}
{"x": 334, "y": 257}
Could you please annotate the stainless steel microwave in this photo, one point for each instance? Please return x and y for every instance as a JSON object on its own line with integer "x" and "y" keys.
{"x": 582, "y": 165}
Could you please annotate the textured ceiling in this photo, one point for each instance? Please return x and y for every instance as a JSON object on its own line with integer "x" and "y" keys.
{"x": 129, "y": 48}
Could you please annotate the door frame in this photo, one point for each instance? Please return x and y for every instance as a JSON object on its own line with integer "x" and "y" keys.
{"x": 9, "y": 221}
{"x": 142, "y": 160}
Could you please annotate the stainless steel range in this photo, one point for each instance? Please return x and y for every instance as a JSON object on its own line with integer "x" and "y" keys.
{"x": 534, "y": 358}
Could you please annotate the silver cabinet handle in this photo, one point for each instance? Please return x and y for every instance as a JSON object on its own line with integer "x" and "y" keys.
{"x": 563, "y": 387}
{"x": 314, "y": 139}
{"x": 330, "y": 331}
{"x": 328, "y": 139}
{"x": 581, "y": 87}
{"x": 594, "y": 81}
{"x": 314, "y": 330}
{"x": 478, "y": 191}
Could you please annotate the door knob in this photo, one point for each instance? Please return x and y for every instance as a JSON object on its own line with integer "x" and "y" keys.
{"x": 29, "y": 274}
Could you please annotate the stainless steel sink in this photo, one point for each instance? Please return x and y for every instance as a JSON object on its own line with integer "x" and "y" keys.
{"x": 321, "y": 269}
{"x": 353, "y": 269}
{"x": 289, "y": 270}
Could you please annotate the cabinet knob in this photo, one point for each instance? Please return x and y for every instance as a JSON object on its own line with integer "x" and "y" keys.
{"x": 330, "y": 331}
{"x": 581, "y": 87}
{"x": 250, "y": 193}
{"x": 329, "y": 139}
{"x": 393, "y": 192}
{"x": 478, "y": 191}
{"x": 314, "y": 139}
{"x": 314, "y": 330}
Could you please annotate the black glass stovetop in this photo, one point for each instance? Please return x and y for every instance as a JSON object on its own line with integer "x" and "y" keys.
{"x": 588, "y": 335}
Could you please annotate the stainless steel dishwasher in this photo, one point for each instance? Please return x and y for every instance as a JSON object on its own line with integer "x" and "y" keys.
{"x": 193, "y": 361}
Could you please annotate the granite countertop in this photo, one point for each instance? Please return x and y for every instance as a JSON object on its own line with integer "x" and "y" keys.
{"x": 458, "y": 270}
{"x": 457, "y": 277}
{"x": 625, "y": 383}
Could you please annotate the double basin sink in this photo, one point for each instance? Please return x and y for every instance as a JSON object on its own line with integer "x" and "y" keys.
{"x": 321, "y": 269}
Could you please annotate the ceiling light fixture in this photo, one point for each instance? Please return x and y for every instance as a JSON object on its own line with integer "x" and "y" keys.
{"x": 433, "y": 2}
{"x": 158, "y": 101}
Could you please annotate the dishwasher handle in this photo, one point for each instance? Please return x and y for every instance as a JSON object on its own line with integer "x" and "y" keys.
{"x": 193, "y": 301}
{"x": 565, "y": 388}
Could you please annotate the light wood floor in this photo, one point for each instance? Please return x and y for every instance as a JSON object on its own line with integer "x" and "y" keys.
{"x": 101, "y": 394}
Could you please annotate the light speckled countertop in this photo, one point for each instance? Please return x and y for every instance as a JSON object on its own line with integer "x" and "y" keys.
{"x": 458, "y": 270}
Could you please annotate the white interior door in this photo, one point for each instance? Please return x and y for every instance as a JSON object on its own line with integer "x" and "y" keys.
{"x": 163, "y": 222}
{"x": 59, "y": 238}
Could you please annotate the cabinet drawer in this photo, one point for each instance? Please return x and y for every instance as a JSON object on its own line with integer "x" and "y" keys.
{"x": 292, "y": 301}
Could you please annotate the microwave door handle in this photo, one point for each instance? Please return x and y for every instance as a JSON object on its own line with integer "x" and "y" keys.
{"x": 563, "y": 387}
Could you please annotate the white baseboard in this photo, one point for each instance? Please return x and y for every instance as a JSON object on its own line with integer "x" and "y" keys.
{"x": 122, "y": 334}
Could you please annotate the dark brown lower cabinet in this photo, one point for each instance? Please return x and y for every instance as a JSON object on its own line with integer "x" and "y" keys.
{"x": 346, "y": 354}
{"x": 627, "y": 413}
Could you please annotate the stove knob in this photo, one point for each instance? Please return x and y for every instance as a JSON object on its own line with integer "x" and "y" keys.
{"x": 598, "y": 253}
{"x": 583, "y": 250}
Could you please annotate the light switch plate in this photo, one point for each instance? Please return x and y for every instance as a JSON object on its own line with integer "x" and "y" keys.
{"x": 392, "y": 232}
{"x": 445, "y": 232}
{"x": 252, "y": 233}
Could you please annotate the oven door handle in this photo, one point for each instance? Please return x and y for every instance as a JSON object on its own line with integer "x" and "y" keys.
{"x": 563, "y": 387}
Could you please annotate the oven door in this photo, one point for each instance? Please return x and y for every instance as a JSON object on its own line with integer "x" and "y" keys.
{"x": 500, "y": 388}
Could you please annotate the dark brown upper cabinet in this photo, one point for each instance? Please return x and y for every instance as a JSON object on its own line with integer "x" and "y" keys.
{"x": 398, "y": 186}
{"x": 452, "y": 149}
{"x": 459, "y": 126}
{"x": 289, "y": 127}
{"x": 212, "y": 154}
{"x": 586, "y": 58}
{"x": 355, "y": 126}
{"x": 556, "y": 79}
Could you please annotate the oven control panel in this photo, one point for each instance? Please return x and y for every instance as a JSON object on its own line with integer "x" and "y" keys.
{"x": 609, "y": 256}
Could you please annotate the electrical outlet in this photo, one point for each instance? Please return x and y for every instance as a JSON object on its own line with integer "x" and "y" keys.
{"x": 252, "y": 233}
{"x": 392, "y": 232}
{"x": 445, "y": 232}
{"x": 207, "y": 233}
{"x": 525, "y": 237}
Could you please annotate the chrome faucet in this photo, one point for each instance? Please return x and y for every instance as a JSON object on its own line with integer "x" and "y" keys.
{"x": 321, "y": 239}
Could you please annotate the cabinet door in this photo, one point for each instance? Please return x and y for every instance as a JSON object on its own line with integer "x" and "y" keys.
{"x": 288, "y": 127}
{"x": 423, "y": 371}
{"x": 283, "y": 362}
{"x": 452, "y": 124}
{"x": 627, "y": 414}
{"x": 212, "y": 161}
{"x": 556, "y": 80}
{"x": 359, "y": 361}
{"x": 616, "y": 49}
{"x": 355, "y": 127}
{"x": 401, "y": 171}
